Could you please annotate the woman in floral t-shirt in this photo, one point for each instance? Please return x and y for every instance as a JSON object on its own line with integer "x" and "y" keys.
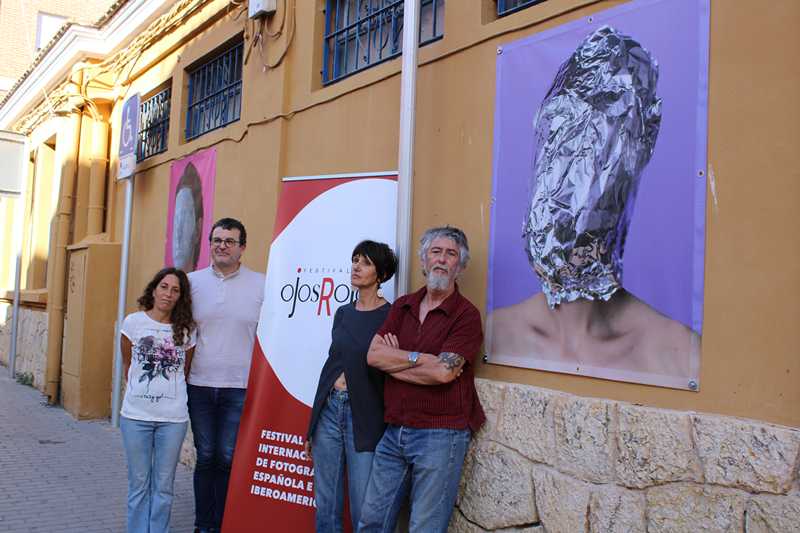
{"x": 157, "y": 346}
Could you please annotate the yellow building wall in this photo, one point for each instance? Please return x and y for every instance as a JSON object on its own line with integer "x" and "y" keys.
{"x": 291, "y": 125}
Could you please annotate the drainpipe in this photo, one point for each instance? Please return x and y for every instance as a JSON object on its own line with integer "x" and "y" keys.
{"x": 97, "y": 177}
{"x": 58, "y": 255}
{"x": 405, "y": 179}
{"x": 19, "y": 232}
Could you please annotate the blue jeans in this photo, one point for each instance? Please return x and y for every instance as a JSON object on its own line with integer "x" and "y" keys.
{"x": 215, "y": 414}
{"x": 425, "y": 461}
{"x": 152, "y": 450}
{"x": 333, "y": 450}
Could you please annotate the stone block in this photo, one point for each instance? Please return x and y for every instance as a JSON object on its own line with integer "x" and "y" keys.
{"x": 755, "y": 457}
{"x": 655, "y": 447}
{"x": 496, "y": 487}
{"x": 583, "y": 438}
{"x": 616, "y": 510}
{"x": 768, "y": 513}
{"x": 459, "y": 524}
{"x": 526, "y": 422}
{"x": 491, "y": 394}
{"x": 685, "y": 507}
{"x": 562, "y": 501}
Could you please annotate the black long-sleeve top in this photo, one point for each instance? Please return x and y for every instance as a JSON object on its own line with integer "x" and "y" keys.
{"x": 351, "y": 335}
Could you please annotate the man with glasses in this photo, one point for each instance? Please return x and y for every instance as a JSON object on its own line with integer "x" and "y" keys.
{"x": 226, "y": 303}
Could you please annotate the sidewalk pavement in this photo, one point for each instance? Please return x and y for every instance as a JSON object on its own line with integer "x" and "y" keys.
{"x": 62, "y": 475}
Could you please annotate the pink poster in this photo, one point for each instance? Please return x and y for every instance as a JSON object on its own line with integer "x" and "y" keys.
{"x": 190, "y": 210}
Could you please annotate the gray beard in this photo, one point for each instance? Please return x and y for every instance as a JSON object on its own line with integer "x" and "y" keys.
{"x": 437, "y": 282}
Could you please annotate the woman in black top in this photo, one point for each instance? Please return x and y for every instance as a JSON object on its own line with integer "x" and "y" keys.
{"x": 347, "y": 417}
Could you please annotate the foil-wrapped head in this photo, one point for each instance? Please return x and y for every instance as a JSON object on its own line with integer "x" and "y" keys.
{"x": 596, "y": 130}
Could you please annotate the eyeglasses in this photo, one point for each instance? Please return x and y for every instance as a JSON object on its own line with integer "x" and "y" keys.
{"x": 216, "y": 241}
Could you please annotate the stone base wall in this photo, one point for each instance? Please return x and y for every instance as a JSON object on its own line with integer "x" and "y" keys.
{"x": 31, "y": 341}
{"x": 553, "y": 462}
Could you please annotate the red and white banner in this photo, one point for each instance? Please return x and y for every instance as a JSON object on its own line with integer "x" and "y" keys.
{"x": 319, "y": 221}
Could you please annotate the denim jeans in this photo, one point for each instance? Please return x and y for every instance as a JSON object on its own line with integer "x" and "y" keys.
{"x": 215, "y": 414}
{"x": 333, "y": 450}
{"x": 152, "y": 450}
{"x": 426, "y": 462}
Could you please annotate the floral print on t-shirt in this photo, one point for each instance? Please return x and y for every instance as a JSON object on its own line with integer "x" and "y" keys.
{"x": 159, "y": 361}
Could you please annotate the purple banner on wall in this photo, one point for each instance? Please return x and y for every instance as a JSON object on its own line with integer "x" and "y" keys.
{"x": 598, "y": 223}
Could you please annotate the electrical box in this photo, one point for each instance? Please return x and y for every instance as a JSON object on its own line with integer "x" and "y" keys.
{"x": 88, "y": 349}
{"x": 260, "y": 8}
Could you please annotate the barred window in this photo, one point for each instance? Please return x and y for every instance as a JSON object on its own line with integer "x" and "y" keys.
{"x": 215, "y": 92}
{"x": 506, "y": 7}
{"x": 363, "y": 33}
{"x": 153, "y": 125}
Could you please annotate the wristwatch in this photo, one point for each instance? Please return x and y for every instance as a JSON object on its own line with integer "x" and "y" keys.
{"x": 412, "y": 358}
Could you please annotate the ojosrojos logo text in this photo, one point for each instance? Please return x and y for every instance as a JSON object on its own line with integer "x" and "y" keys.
{"x": 318, "y": 286}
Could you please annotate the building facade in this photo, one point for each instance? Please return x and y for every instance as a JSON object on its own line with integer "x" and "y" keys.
{"x": 29, "y": 26}
{"x": 296, "y": 94}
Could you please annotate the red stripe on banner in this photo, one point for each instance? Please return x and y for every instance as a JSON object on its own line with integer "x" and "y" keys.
{"x": 270, "y": 486}
{"x": 295, "y": 195}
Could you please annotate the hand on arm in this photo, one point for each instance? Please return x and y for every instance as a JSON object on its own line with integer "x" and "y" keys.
{"x": 433, "y": 369}
{"x": 386, "y": 355}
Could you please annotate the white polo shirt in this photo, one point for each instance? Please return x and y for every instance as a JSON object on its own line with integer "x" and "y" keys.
{"x": 226, "y": 309}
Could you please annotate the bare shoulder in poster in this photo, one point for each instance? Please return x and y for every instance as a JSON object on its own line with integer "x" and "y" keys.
{"x": 595, "y": 132}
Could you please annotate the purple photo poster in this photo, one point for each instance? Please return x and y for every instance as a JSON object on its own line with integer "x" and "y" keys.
{"x": 596, "y": 251}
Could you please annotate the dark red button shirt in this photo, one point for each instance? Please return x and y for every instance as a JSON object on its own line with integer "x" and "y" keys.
{"x": 454, "y": 326}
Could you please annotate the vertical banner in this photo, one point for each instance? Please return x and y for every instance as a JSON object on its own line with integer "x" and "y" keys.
{"x": 318, "y": 223}
{"x": 596, "y": 250}
{"x": 190, "y": 211}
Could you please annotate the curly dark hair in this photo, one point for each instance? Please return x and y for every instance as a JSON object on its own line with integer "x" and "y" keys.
{"x": 181, "y": 316}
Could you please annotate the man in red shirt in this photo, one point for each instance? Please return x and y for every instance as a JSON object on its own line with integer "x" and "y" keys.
{"x": 427, "y": 348}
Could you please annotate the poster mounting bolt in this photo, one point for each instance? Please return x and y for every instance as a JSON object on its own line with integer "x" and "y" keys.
{"x": 499, "y": 50}
{"x": 692, "y": 385}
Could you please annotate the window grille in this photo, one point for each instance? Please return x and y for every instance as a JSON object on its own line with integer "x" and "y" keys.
{"x": 506, "y": 7}
{"x": 215, "y": 93}
{"x": 363, "y": 33}
{"x": 153, "y": 124}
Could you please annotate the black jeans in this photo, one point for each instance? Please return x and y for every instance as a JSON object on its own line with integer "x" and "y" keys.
{"x": 215, "y": 414}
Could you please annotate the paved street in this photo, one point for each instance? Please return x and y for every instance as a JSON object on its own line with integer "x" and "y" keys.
{"x": 61, "y": 475}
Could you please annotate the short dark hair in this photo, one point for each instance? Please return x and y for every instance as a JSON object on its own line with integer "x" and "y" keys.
{"x": 381, "y": 255}
{"x": 230, "y": 223}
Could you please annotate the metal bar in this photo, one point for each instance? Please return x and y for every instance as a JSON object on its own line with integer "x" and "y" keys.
{"x": 503, "y": 7}
{"x": 435, "y": 15}
{"x": 340, "y": 176}
{"x": 326, "y": 45}
{"x": 121, "y": 303}
{"x": 347, "y": 33}
{"x": 405, "y": 185}
{"x": 189, "y": 108}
